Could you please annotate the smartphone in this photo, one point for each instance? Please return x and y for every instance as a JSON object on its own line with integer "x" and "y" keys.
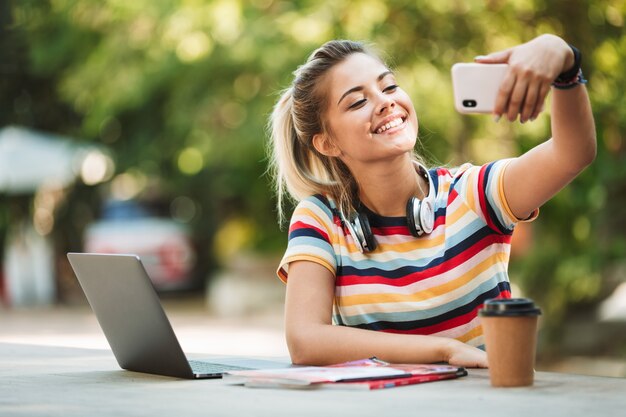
{"x": 476, "y": 86}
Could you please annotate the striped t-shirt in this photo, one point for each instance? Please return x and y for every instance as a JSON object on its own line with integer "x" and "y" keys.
{"x": 431, "y": 285}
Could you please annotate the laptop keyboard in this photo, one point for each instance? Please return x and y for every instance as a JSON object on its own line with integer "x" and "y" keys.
{"x": 200, "y": 367}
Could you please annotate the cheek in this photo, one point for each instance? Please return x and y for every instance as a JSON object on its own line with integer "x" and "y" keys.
{"x": 415, "y": 122}
{"x": 408, "y": 105}
{"x": 350, "y": 124}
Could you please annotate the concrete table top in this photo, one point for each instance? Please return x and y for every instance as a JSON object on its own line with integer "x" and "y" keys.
{"x": 38, "y": 380}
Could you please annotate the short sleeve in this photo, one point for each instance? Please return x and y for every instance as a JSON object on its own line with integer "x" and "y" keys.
{"x": 483, "y": 190}
{"x": 311, "y": 233}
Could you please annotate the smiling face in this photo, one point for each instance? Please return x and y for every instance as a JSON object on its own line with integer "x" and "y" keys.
{"x": 368, "y": 118}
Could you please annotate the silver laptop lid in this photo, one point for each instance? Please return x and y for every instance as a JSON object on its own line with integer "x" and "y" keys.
{"x": 129, "y": 311}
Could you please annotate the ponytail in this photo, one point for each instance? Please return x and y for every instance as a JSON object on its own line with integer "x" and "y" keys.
{"x": 285, "y": 140}
{"x": 298, "y": 168}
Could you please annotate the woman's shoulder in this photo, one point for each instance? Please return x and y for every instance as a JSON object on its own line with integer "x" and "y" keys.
{"x": 319, "y": 205}
{"x": 445, "y": 176}
{"x": 317, "y": 200}
{"x": 448, "y": 178}
{"x": 451, "y": 172}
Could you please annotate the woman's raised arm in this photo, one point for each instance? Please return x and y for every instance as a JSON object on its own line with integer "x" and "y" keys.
{"x": 534, "y": 177}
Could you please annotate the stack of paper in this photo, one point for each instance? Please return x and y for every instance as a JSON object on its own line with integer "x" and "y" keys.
{"x": 362, "y": 374}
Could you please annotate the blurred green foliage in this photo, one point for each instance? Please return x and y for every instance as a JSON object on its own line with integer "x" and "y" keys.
{"x": 181, "y": 91}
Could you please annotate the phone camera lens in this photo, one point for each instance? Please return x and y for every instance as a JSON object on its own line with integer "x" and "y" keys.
{"x": 469, "y": 103}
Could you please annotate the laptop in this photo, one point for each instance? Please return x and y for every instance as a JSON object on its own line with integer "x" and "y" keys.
{"x": 130, "y": 314}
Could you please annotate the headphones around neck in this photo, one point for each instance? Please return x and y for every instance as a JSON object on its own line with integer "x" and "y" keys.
{"x": 420, "y": 215}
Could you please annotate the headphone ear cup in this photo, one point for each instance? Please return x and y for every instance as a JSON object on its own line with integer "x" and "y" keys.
{"x": 427, "y": 216}
{"x": 365, "y": 231}
{"x": 420, "y": 216}
{"x": 411, "y": 216}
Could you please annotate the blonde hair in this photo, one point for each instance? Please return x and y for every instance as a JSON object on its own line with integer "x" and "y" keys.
{"x": 298, "y": 168}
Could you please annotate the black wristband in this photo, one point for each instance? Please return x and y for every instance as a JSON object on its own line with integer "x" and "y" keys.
{"x": 569, "y": 75}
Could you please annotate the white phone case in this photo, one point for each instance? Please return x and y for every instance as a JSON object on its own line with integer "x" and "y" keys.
{"x": 476, "y": 86}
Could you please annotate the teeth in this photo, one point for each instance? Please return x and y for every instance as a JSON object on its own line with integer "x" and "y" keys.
{"x": 393, "y": 123}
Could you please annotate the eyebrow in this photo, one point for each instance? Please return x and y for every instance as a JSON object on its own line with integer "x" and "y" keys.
{"x": 360, "y": 88}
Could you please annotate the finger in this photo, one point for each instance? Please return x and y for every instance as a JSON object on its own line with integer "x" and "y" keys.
{"x": 530, "y": 101}
{"x": 499, "y": 57}
{"x": 541, "y": 97}
{"x": 516, "y": 101}
{"x": 504, "y": 92}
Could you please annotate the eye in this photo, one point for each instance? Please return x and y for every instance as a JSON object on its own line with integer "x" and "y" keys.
{"x": 390, "y": 89}
{"x": 357, "y": 104}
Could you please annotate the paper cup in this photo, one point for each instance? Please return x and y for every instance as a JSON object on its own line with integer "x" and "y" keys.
{"x": 510, "y": 330}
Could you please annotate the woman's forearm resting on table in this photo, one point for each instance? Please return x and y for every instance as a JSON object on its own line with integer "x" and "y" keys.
{"x": 323, "y": 344}
{"x": 312, "y": 339}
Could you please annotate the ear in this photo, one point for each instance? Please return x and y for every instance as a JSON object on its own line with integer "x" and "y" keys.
{"x": 324, "y": 145}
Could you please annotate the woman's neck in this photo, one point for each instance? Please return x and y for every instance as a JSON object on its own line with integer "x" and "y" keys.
{"x": 385, "y": 187}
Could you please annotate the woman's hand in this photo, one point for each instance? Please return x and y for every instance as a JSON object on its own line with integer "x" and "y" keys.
{"x": 533, "y": 66}
{"x": 460, "y": 354}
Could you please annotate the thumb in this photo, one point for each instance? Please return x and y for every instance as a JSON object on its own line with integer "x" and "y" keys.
{"x": 500, "y": 57}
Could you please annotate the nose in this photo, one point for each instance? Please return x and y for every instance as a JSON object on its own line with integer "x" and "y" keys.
{"x": 385, "y": 103}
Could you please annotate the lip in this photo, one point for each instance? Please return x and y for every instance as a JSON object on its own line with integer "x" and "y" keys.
{"x": 389, "y": 119}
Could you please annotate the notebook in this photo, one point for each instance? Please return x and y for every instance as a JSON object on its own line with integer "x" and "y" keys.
{"x": 134, "y": 323}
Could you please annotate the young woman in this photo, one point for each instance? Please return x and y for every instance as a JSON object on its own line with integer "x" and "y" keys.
{"x": 389, "y": 259}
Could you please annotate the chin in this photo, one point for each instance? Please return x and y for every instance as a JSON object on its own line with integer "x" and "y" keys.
{"x": 407, "y": 142}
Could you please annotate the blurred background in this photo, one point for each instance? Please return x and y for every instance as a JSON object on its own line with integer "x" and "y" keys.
{"x": 140, "y": 126}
